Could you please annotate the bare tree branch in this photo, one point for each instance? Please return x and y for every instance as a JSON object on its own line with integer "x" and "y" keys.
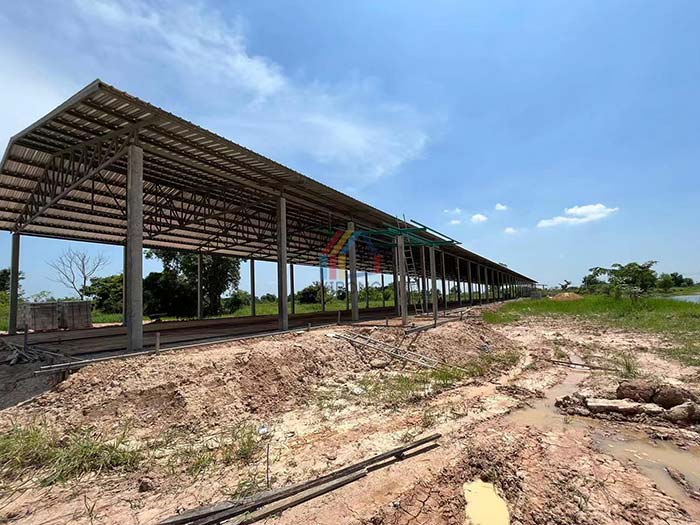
{"x": 74, "y": 269}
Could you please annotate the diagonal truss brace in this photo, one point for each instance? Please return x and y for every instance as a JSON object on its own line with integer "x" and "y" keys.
{"x": 71, "y": 167}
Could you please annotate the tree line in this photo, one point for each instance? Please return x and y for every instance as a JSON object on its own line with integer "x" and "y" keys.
{"x": 632, "y": 278}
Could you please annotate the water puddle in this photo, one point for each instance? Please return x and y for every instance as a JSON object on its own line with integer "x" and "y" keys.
{"x": 650, "y": 457}
{"x": 484, "y": 505}
{"x": 653, "y": 457}
{"x": 542, "y": 414}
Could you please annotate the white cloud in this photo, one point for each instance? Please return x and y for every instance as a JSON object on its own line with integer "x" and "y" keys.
{"x": 455, "y": 222}
{"x": 453, "y": 211}
{"x": 478, "y": 217}
{"x": 510, "y": 230}
{"x": 579, "y": 215}
{"x": 346, "y": 133}
{"x": 500, "y": 207}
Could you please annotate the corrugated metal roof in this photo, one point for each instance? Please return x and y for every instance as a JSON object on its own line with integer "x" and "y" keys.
{"x": 201, "y": 191}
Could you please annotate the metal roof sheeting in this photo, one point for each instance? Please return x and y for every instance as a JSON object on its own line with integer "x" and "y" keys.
{"x": 202, "y": 192}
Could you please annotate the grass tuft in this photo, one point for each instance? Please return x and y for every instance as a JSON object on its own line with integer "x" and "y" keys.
{"x": 34, "y": 448}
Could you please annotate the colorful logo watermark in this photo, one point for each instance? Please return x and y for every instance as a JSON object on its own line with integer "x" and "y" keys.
{"x": 334, "y": 256}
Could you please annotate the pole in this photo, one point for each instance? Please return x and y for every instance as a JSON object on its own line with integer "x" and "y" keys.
{"x": 433, "y": 283}
{"x": 395, "y": 283}
{"x": 14, "y": 284}
{"x": 444, "y": 292}
{"x": 353, "y": 274}
{"x": 424, "y": 275}
{"x": 469, "y": 282}
{"x": 323, "y": 292}
{"x": 200, "y": 313}
{"x": 383, "y": 298}
{"x": 459, "y": 283}
{"x": 291, "y": 286}
{"x": 252, "y": 287}
{"x": 134, "y": 247}
{"x": 366, "y": 290}
{"x": 402, "y": 281}
{"x": 282, "y": 312}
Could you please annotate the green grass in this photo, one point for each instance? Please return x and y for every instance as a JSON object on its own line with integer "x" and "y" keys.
{"x": 677, "y": 319}
{"x": 396, "y": 390}
{"x": 34, "y": 448}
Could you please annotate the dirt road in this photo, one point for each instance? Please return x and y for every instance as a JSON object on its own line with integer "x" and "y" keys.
{"x": 321, "y": 404}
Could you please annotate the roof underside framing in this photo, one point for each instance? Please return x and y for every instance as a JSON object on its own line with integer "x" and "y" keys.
{"x": 65, "y": 177}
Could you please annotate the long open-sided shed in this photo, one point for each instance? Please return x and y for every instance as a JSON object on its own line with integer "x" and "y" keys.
{"x": 109, "y": 168}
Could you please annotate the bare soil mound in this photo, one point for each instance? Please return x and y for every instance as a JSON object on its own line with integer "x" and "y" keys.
{"x": 220, "y": 385}
{"x": 567, "y": 296}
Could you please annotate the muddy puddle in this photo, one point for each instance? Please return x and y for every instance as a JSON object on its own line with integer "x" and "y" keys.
{"x": 651, "y": 457}
{"x": 484, "y": 505}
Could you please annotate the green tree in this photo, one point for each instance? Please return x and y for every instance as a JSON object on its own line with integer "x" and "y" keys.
{"x": 168, "y": 293}
{"x": 268, "y": 298}
{"x": 591, "y": 282}
{"x": 665, "y": 282}
{"x": 5, "y": 280}
{"x": 106, "y": 293}
{"x": 219, "y": 274}
{"x": 312, "y": 294}
{"x": 630, "y": 276}
{"x": 236, "y": 301}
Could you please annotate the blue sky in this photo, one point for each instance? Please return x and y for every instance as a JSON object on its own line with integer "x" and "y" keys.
{"x": 582, "y": 119}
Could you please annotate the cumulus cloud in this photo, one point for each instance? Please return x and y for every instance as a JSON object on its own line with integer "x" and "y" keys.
{"x": 455, "y": 222}
{"x": 500, "y": 207}
{"x": 453, "y": 211}
{"x": 510, "y": 230}
{"x": 346, "y": 133}
{"x": 479, "y": 217}
{"x": 579, "y": 215}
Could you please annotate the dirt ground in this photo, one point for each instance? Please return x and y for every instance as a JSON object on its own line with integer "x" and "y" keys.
{"x": 321, "y": 404}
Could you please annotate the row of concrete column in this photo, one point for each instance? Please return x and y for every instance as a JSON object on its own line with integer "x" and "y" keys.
{"x": 497, "y": 281}
{"x": 489, "y": 285}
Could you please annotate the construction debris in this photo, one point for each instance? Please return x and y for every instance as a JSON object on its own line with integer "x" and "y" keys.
{"x": 252, "y": 508}
{"x": 365, "y": 341}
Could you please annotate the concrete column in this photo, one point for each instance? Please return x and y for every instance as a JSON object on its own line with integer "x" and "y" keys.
{"x": 444, "y": 290}
{"x": 124, "y": 252}
{"x": 252, "y": 287}
{"x": 14, "y": 284}
{"x": 433, "y": 283}
{"x": 347, "y": 289}
{"x": 282, "y": 312}
{"x": 200, "y": 309}
{"x": 424, "y": 274}
{"x": 480, "y": 283}
{"x": 134, "y": 248}
{"x": 291, "y": 287}
{"x": 323, "y": 291}
{"x": 383, "y": 298}
{"x": 353, "y": 275}
{"x": 459, "y": 282}
{"x": 366, "y": 290}
{"x": 395, "y": 283}
{"x": 403, "y": 303}
{"x": 469, "y": 282}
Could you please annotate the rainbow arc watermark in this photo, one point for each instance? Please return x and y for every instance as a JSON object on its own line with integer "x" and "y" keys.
{"x": 333, "y": 259}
